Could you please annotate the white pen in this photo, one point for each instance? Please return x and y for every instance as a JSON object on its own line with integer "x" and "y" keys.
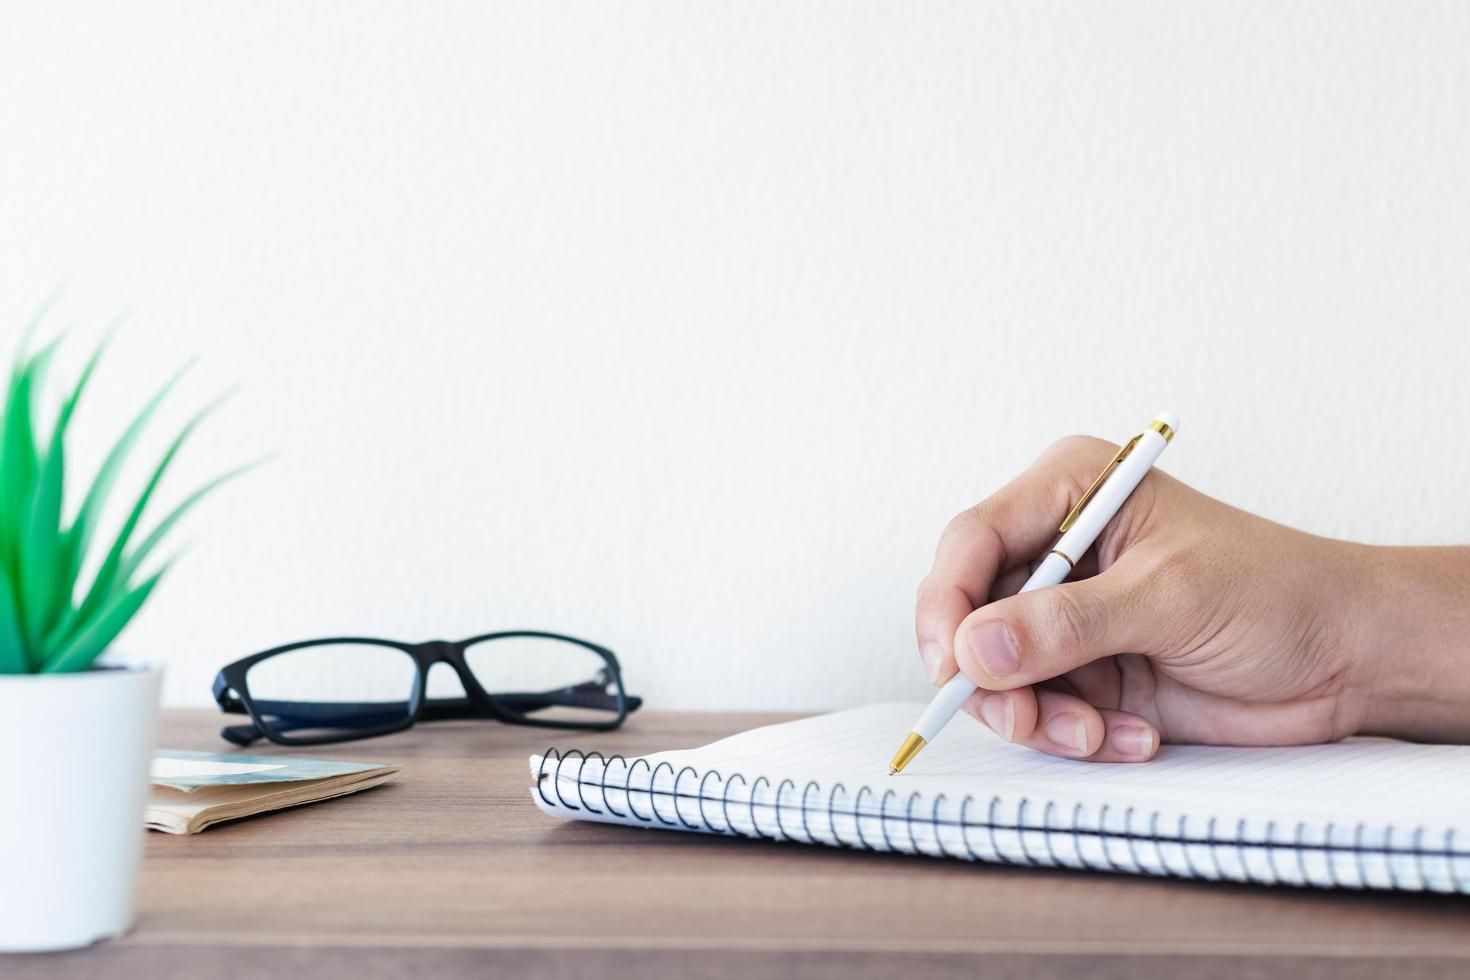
{"x": 1079, "y": 530}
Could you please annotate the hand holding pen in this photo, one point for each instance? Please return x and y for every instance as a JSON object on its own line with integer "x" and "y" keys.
{"x": 1187, "y": 621}
{"x": 1096, "y": 507}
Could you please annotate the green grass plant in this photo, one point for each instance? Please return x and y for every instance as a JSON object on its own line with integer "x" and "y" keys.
{"x": 52, "y": 618}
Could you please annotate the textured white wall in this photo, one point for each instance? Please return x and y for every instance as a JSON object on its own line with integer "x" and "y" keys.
{"x": 686, "y": 326}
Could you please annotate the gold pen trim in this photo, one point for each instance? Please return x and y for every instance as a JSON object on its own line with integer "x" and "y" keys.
{"x": 906, "y": 752}
{"x": 1091, "y": 491}
{"x": 1162, "y": 428}
{"x": 1064, "y": 557}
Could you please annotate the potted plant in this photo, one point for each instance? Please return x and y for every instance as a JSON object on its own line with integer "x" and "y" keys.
{"x": 78, "y": 735}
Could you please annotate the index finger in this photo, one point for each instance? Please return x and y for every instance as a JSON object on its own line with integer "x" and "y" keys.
{"x": 1002, "y": 532}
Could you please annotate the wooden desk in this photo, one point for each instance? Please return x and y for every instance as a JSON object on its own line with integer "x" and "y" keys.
{"x": 451, "y": 871}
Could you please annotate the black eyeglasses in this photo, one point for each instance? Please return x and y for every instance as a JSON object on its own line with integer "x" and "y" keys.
{"x": 352, "y": 687}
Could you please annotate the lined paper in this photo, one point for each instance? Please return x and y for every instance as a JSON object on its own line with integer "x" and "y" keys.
{"x": 1361, "y": 813}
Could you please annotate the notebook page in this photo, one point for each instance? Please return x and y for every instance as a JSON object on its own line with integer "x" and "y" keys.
{"x": 1358, "y": 779}
{"x": 825, "y": 779}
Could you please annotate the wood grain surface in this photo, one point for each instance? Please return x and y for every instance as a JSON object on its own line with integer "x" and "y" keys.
{"x": 451, "y": 871}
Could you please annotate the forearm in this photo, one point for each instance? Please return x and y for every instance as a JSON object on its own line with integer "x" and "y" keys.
{"x": 1412, "y": 658}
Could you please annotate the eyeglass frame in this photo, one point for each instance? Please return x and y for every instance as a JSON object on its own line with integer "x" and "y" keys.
{"x": 232, "y": 694}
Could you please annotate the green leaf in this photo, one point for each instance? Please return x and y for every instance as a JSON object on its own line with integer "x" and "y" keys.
{"x": 40, "y": 552}
{"x": 13, "y": 659}
{"x": 43, "y": 580}
{"x": 20, "y": 463}
{"x": 16, "y": 448}
{"x": 79, "y": 652}
{"x": 79, "y": 536}
{"x": 69, "y": 406}
{"x": 19, "y": 453}
{"x": 47, "y": 542}
{"x": 107, "y": 575}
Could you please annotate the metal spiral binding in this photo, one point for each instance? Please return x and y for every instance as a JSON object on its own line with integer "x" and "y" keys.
{"x": 691, "y": 794}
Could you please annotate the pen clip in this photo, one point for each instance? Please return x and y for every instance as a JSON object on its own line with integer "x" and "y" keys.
{"x": 1091, "y": 491}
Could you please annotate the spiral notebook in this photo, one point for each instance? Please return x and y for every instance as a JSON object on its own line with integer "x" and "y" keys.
{"x": 1364, "y": 813}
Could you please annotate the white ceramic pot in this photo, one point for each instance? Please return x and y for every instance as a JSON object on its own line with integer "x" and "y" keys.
{"x": 74, "y": 756}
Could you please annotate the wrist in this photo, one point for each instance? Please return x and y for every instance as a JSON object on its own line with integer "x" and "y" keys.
{"x": 1409, "y": 620}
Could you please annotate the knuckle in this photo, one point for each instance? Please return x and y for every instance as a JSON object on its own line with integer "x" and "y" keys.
{"x": 982, "y": 518}
{"x": 961, "y": 522}
{"x": 974, "y": 526}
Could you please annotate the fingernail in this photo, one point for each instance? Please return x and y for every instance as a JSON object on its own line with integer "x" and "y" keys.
{"x": 931, "y": 654}
{"x": 999, "y": 713}
{"x": 1069, "y": 731}
{"x": 1133, "y": 740}
{"x": 995, "y": 649}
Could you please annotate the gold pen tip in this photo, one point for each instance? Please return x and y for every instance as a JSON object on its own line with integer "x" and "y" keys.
{"x": 906, "y": 752}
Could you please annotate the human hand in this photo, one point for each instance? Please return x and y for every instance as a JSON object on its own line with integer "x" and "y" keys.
{"x": 1188, "y": 621}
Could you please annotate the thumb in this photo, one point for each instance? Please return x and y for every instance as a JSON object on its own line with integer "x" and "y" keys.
{"x": 1036, "y": 636}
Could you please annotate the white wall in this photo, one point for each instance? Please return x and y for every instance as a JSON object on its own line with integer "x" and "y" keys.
{"x": 687, "y": 326}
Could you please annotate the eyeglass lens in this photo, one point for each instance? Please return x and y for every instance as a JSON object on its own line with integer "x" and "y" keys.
{"x": 333, "y": 690}
{"x": 545, "y": 679}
